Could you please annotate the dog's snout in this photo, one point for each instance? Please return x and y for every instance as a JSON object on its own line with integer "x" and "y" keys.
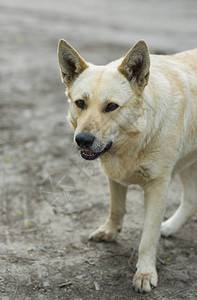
{"x": 84, "y": 140}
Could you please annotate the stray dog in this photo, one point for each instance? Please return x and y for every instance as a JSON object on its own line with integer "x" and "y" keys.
{"x": 138, "y": 115}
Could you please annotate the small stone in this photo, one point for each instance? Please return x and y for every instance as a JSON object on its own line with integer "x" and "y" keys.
{"x": 97, "y": 286}
{"x": 46, "y": 284}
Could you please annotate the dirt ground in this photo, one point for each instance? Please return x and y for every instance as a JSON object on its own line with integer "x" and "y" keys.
{"x": 51, "y": 199}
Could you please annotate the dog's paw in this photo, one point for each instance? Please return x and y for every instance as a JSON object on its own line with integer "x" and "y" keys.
{"x": 167, "y": 229}
{"x": 144, "y": 283}
{"x": 105, "y": 233}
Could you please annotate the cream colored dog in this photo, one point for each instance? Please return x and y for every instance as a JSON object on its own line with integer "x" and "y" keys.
{"x": 139, "y": 116}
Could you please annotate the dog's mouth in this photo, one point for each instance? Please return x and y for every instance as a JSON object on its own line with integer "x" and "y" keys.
{"x": 89, "y": 155}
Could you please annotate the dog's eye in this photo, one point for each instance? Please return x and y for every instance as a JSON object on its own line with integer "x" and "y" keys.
{"x": 111, "y": 106}
{"x": 80, "y": 103}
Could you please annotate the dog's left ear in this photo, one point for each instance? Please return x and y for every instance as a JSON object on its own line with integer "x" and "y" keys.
{"x": 136, "y": 64}
{"x": 71, "y": 63}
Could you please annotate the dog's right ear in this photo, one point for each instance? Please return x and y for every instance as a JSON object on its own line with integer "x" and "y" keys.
{"x": 70, "y": 62}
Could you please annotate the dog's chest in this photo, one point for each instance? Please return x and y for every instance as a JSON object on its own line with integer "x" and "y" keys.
{"x": 127, "y": 172}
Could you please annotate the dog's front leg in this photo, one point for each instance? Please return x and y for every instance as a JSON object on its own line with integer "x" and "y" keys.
{"x": 110, "y": 229}
{"x": 155, "y": 200}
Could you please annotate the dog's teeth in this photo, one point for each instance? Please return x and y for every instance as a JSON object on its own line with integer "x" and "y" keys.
{"x": 88, "y": 153}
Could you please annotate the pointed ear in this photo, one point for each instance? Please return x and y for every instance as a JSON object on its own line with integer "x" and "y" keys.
{"x": 70, "y": 62}
{"x": 135, "y": 66}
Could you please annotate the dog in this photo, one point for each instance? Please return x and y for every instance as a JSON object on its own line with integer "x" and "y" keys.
{"x": 138, "y": 115}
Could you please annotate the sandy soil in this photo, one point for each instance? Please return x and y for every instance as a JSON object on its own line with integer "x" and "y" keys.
{"x": 44, "y": 248}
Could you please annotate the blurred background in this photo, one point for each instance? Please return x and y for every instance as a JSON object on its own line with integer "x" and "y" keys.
{"x": 36, "y": 143}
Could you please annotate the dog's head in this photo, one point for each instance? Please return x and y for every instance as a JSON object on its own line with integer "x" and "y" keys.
{"x": 106, "y": 103}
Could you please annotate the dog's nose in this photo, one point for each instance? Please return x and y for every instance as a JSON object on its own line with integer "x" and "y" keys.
{"x": 84, "y": 140}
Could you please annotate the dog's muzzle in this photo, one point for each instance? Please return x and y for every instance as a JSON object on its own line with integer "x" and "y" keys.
{"x": 85, "y": 142}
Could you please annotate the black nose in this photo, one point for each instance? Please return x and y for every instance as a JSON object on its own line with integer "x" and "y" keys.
{"x": 84, "y": 140}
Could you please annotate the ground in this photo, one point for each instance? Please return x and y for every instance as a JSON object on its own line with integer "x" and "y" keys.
{"x": 51, "y": 199}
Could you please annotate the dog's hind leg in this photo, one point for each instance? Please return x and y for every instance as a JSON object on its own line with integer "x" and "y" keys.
{"x": 188, "y": 206}
{"x": 109, "y": 231}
